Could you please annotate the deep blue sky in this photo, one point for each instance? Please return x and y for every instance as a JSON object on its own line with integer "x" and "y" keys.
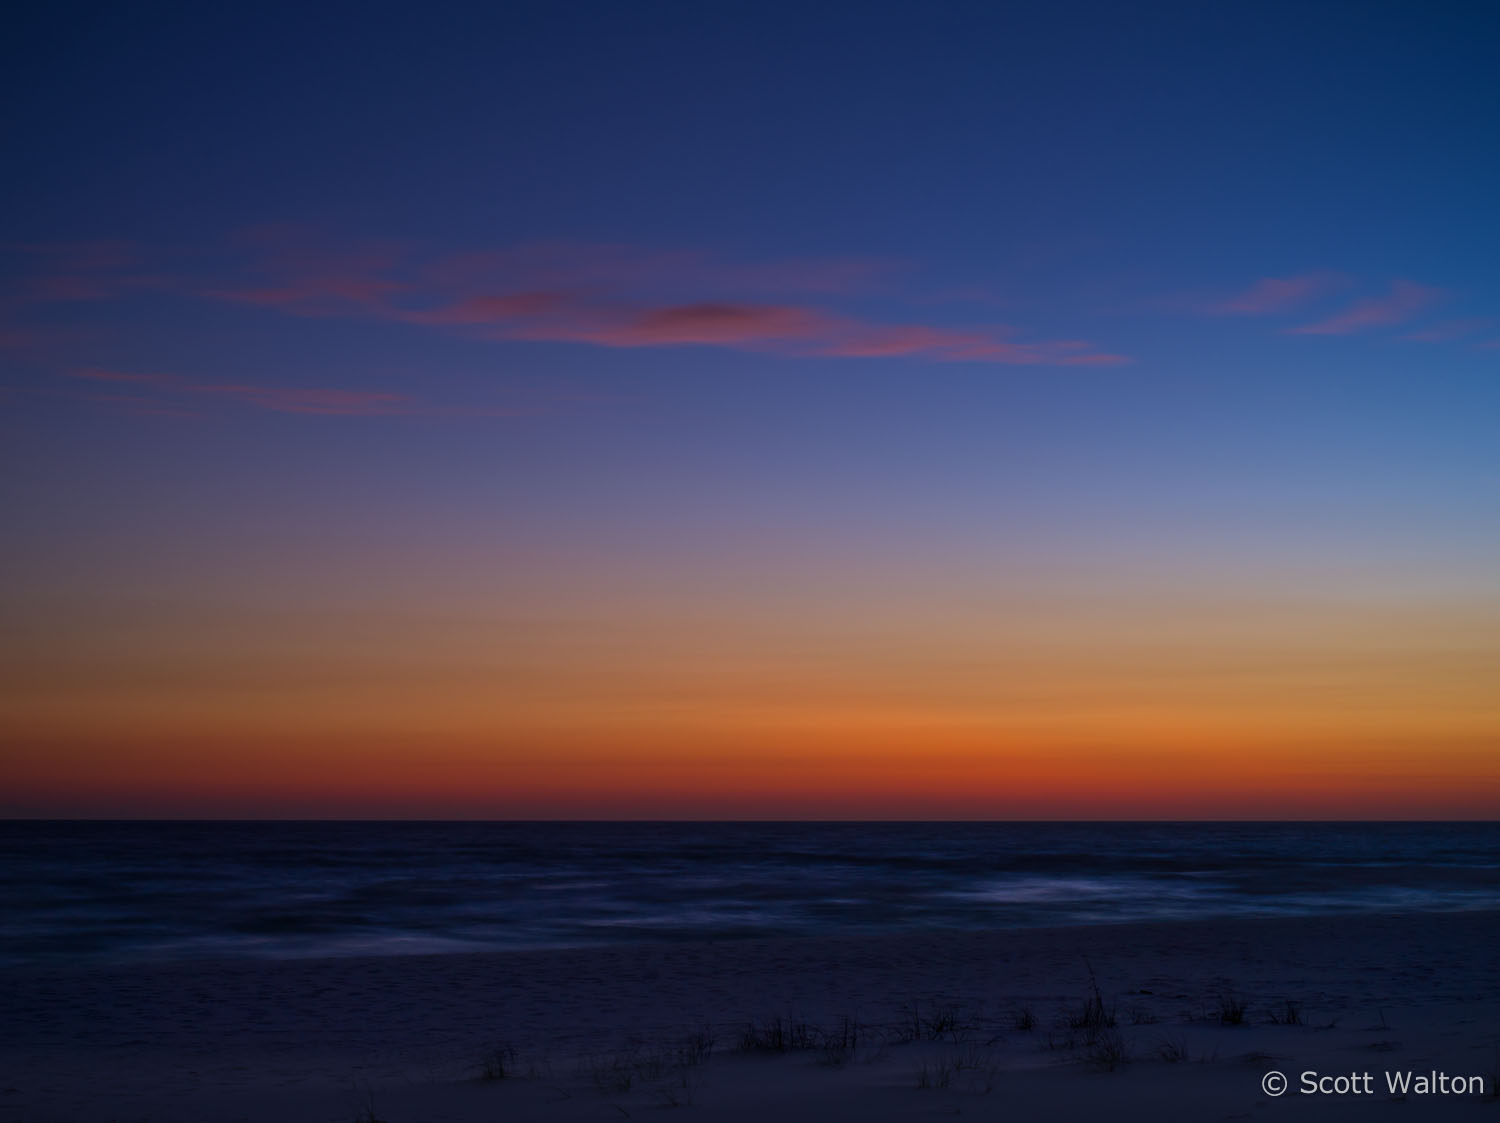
{"x": 574, "y": 311}
{"x": 1163, "y": 138}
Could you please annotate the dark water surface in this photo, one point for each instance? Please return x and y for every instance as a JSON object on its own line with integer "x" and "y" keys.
{"x": 156, "y": 891}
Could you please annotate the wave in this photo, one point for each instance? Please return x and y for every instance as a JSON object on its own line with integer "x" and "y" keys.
{"x": 158, "y": 891}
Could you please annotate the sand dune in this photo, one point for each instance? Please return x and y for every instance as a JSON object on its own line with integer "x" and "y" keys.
{"x": 925, "y": 1023}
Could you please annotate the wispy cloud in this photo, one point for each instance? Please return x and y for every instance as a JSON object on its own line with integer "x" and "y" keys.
{"x": 1404, "y": 300}
{"x": 602, "y": 295}
{"x": 323, "y": 401}
{"x": 780, "y": 328}
{"x": 500, "y": 308}
{"x": 1270, "y": 295}
{"x": 297, "y": 271}
{"x": 712, "y": 323}
{"x": 966, "y": 346}
{"x": 71, "y": 272}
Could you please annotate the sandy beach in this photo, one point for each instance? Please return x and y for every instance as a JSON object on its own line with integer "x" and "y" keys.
{"x": 994, "y": 1024}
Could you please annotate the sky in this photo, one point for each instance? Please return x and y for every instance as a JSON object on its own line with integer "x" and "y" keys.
{"x": 1054, "y": 410}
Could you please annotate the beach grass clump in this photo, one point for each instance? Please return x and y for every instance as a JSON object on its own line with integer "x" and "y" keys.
{"x": 1089, "y": 1031}
{"x": 693, "y": 1049}
{"x": 1286, "y": 1013}
{"x": 942, "y": 1021}
{"x": 611, "y": 1074}
{"x": 779, "y": 1035}
{"x": 909, "y": 1027}
{"x": 1232, "y": 1009}
{"x": 1106, "y": 1049}
{"x": 1024, "y": 1020}
{"x": 840, "y": 1043}
{"x": 666, "y": 1072}
{"x": 836, "y": 1045}
{"x": 1094, "y": 1015}
{"x": 935, "y": 1074}
{"x": 671, "y": 1073}
{"x": 1172, "y": 1050}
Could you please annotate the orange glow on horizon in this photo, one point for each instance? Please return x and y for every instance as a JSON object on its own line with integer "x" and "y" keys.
{"x": 1133, "y": 710}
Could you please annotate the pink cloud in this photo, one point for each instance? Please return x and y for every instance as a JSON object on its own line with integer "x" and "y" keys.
{"x": 715, "y": 324}
{"x": 299, "y": 400}
{"x": 1449, "y": 330}
{"x": 790, "y": 329}
{"x": 881, "y": 341}
{"x": 604, "y": 295}
{"x": 1101, "y": 358}
{"x": 582, "y": 317}
{"x": 575, "y": 291}
{"x": 949, "y": 345}
{"x": 601, "y": 316}
{"x": 489, "y": 309}
{"x": 1404, "y": 300}
{"x": 1277, "y": 294}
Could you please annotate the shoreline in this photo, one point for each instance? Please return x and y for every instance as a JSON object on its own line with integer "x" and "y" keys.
{"x": 836, "y": 935}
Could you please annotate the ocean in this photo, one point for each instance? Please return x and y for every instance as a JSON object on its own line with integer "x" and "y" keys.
{"x": 157, "y": 891}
